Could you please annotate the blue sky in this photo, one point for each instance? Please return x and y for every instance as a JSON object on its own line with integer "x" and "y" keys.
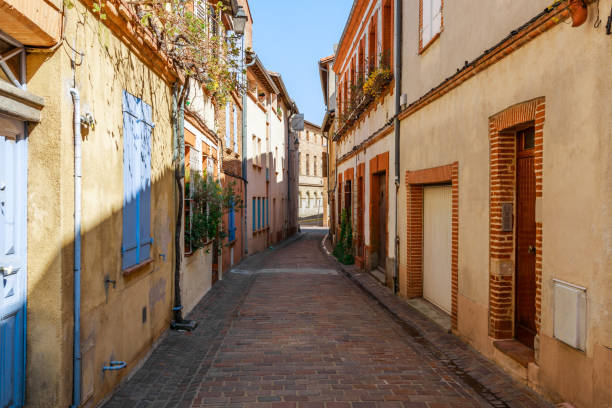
{"x": 291, "y": 36}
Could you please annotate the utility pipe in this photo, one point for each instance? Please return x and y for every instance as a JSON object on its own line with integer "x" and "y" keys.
{"x": 398, "y": 93}
{"x": 76, "y": 369}
{"x": 244, "y": 147}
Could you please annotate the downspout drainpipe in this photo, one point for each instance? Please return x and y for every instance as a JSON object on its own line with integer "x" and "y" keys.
{"x": 245, "y": 177}
{"x": 76, "y": 369}
{"x": 398, "y": 93}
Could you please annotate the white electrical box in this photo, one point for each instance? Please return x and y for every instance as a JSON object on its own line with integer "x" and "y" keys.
{"x": 570, "y": 314}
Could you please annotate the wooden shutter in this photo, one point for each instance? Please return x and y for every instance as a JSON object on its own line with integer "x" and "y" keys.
{"x": 136, "y": 239}
{"x": 426, "y": 28}
{"x": 235, "y": 129}
{"x": 227, "y": 124}
{"x": 254, "y": 214}
{"x": 436, "y": 19}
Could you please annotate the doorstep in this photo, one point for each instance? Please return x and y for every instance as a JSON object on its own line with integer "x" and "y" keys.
{"x": 516, "y": 351}
{"x": 379, "y": 275}
{"x": 432, "y": 312}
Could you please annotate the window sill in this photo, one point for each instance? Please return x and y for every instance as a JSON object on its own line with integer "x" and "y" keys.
{"x": 136, "y": 268}
{"x": 424, "y": 48}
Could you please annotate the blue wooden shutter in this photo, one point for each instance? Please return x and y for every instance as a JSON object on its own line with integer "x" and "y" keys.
{"x": 230, "y": 221}
{"x": 136, "y": 240}
{"x": 267, "y": 213}
{"x": 259, "y": 213}
{"x": 145, "y": 179}
{"x": 254, "y": 216}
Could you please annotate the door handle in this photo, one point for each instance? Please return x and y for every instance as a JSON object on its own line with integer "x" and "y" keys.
{"x": 531, "y": 249}
{"x": 8, "y": 271}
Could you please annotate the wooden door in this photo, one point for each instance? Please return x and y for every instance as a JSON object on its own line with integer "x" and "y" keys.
{"x": 13, "y": 260}
{"x": 437, "y": 246}
{"x": 360, "y": 216}
{"x": 382, "y": 220}
{"x": 525, "y": 329}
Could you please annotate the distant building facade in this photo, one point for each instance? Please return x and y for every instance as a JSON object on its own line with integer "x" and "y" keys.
{"x": 313, "y": 174}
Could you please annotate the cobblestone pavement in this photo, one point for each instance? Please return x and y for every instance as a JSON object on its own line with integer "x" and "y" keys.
{"x": 288, "y": 329}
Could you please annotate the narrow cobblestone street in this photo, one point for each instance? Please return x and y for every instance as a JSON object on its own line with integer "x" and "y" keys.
{"x": 288, "y": 329}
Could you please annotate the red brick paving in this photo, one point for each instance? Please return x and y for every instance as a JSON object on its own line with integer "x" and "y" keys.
{"x": 301, "y": 340}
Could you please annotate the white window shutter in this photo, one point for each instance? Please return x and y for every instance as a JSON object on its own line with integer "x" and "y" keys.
{"x": 436, "y": 21}
{"x": 426, "y": 33}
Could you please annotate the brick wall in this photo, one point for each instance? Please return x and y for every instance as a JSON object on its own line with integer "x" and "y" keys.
{"x": 502, "y": 166}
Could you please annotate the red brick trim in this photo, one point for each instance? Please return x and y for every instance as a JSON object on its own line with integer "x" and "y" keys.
{"x": 415, "y": 181}
{"x": 502, "y": 187}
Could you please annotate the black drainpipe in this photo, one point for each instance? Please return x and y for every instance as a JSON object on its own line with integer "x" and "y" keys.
{"x": 398, "y": 93}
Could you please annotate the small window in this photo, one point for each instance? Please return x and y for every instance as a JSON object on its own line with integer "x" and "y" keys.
{"x": 526, "y": 139}
{"x": 431, "y": 21}
{"x": 235, "y": 112}
{"x": 227, "y": 125}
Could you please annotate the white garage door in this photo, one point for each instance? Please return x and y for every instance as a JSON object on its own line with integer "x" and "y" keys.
{"x": 437, "y": 240}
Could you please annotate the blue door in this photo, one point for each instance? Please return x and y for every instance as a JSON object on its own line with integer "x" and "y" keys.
{"x": 13, "y": 213}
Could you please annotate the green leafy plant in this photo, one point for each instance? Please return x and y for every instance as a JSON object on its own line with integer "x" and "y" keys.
{"x": 209, "y": 201}
{"x": 192, "y": 36}
{"x": 343, "y": 250}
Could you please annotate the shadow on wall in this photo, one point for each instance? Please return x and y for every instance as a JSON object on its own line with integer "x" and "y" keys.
{"x": 123, "y": 310}
{"x": 121, "y": 314}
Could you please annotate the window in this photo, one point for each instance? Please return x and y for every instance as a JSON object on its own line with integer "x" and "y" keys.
{"x": 258, "y": 213}
{"x": 431, "y": 21}
{"x": 372, "y": 44}
{"x": 231, "y": 223}
{"x": 137, "y": 127}
{"x": 314, "y": 165}
{"x": 227, "y": 125}
{"x": 307, "y": 164}
{"x": 267, "y": 214}
{"x": 347, "y": 196}
{"x": 307, "y": 200}
{"x": 259, "y": 152}
{"x": 254, "y": 149}
{"x": 387, "y": 27}
{"x": 235, "y": 112}
{"x": 254, "y": 214}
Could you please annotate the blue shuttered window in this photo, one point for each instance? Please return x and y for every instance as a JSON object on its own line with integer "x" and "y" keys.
{"x": 267, "y": 214}
{"x": 254, "y": 214}
{"x": 137, "y": 129}
{"x": 231, "y": 234}
{"x": 259, "y": 213}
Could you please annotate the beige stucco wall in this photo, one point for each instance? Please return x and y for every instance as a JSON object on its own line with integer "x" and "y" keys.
{"x": 564, "y": 66}
{"x": 312, "y": 146}
{"x": 112, "y": 319}
{"x": 196, "y": 277}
